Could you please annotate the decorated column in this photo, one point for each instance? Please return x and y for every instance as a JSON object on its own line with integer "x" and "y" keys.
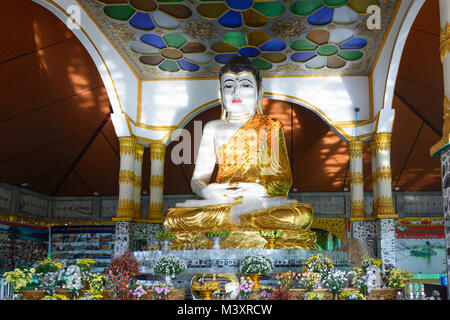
{"x": 356, "y": 179}
{"x": 138, "y": 157}
{"x": 126, "y": 208}
{"x": 157, "y": 156}
{"x": 384, "y": 206}
{"x": 442, "y": 147}
{"x": 373, "y": 165}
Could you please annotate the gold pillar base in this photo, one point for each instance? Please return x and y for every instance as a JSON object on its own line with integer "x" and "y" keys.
{"x": 246, "y": 239}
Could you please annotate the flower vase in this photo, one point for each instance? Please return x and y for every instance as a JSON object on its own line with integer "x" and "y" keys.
{"x": 168, "y": 279}
{"x": 255, "y": 278}
{"x": 216, "y": 242}
{"x": 165, "y": 244}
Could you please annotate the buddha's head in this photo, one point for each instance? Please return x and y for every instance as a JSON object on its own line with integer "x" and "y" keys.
{"x": 240, "y": 87}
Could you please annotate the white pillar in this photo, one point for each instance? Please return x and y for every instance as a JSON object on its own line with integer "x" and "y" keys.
{"x": 157, "y": 156}
{"x": 126, "y": 208}
{"x": 373, "y": 166}
{"x": 138, "y": 157}
{"x": 384, "y": 203}
{"x": 356, "y": 179}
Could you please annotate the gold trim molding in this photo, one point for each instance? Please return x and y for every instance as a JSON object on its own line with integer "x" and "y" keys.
{"x": 356, "y": 178}
{"x": 357, "y": 209}
{"x": 157, "y": 182}
{"x": 355, "y": 148}
{"x": 383, "y": 173}
{"x": 444, "y": 46}
{"x": 157, "y": 151}
{"x": 383, "y": 141}
{"x": 139, "y": 152}
{"x": 127, "y": 145}
{"x": 337, "y": 226}
{"x": 127, "y": 177}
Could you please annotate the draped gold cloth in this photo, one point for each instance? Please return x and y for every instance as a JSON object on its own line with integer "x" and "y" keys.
{"x": 255, "y": 153}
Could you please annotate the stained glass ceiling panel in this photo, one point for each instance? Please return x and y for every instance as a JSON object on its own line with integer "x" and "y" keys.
{"x": 193, "y": 38}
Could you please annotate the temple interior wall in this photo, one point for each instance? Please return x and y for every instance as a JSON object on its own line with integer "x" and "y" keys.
{"x": 24, "y": 203}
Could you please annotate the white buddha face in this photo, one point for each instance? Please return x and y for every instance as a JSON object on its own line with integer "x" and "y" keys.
{"x": 239, "y": 92}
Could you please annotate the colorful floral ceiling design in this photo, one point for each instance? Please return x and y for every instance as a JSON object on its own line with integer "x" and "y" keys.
{"x": 193, "y": 38}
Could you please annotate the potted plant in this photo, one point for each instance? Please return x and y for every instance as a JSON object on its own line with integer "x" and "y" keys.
{"x": 47, "y": 272}
{"x": 246, "y": 287}
{"x": 216, "y": 236}
{"x": 73, "y": 280}
{"x": 286, "y": 279}
{"x": 397, "y": 279}
{"x": 169, "y": 265}
{"x": 255, "y": 266}
{"x": 309, "y": 281}
{"x": 352, "y": 294}
{"x": 120, "y": 275}
{"x": 85, "y": 266}
{"x": 319, "y": 263}
{"x": 314, "y": 296}
{"x": 165, "y": 237}
{"x": 19, "y": 279}
{"x": 271, "y": 237}
{"x": 336, "y": 281}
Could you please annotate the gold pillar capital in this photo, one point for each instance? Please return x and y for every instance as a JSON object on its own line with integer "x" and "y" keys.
{"x": 157, "y": 151}
{"x": 355, "y": 148}
{"x": 383, "y": 141}
{"x": 127, "y": 145}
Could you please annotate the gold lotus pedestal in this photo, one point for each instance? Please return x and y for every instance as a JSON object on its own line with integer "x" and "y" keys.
{"x": 206, "y": 288}
{"x": 255, "y": 278}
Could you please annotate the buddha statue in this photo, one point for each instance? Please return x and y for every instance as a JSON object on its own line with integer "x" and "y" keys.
{"x": 253, "y": 179}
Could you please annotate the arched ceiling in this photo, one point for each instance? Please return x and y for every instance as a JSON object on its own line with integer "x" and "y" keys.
{"x": 58, "y": 138}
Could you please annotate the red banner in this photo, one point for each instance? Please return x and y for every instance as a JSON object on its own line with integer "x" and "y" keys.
{"x": 420, "y": 229}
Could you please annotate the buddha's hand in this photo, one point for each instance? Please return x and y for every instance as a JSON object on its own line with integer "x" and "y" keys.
{"x": 233, "y": 190}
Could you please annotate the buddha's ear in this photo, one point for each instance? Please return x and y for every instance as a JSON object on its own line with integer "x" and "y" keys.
{"x": 260, "y": 97}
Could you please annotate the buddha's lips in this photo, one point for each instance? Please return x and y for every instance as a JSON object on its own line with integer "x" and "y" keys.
{"x": 236, "y": 101}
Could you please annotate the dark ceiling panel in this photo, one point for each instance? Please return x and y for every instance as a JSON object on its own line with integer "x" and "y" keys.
{"x": 74, "y": 185}
{"x": 100, "y": 164}
{"x": 31, "y": 165}
{"x": 26, "y": 26}
{"x": 46, "y": 183}
{"x": 47, "y": 77}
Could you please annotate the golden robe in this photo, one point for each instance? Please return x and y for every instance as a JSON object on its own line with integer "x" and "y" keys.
{"x": 255, "y": 153}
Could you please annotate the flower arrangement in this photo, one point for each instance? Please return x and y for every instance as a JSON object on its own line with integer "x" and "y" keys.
{"x": 352, "y": 294}
{"x": 119, "y": 283}
{"x": 319, "y": 263}
{"x": 314, "y": 296}
{"x": 55, "y": 297}
{"x": 217, "y": 233}
{"x": 257, "y": 264}
{"x": 47, "y": 266}
{"x": 162, "y": 289}
{"x": 336, "y": 280}
{"x": 138, "y": 292}
{"x": 19, "y": 278}
{"x": 271, "y": 234}
{"x": 89, "y": 296}
{"x": 73, "y": 280}
{"x": 266, "y": 294}
{"x": 164, "y": 235}
{"x": 48, "y": 282}
{"x": 367, "y": 261}
{"x": 169, "y": 264}
{"x": 309, "y": 280}
{"x": 85, "y": 265}
{"x": 126, "y": 262}
{"x": 245, "y": 287}
{"x": 359, "y": 280}
{"x": 397, "y": 278}
{"x": 96, "y": 283}
{"x": 286, "y": 279}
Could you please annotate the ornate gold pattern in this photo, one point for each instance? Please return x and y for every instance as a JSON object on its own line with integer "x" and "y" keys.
{"x": 201, "y": 30}
{"x": 355, "y": 148}
{"x": 139, "y": 152}
{"x": 155, "y": 211}
{"x": 384, "y": 206}
{"x": 383, "y": 141}
{"x": 356, "y": 178}
{"x": 157, "y": 182}
{"x": 444, "y": 46}
{"x": 138, "y": 182}
{"x": 357, "y": 209}
{"x": 127, "y": 145}
{"x": 157, "y": 151}
{"x": 383, "y": 173}
{"x": 287, "y": 28}
{"x": 125, "y": 208}
{"x": 126, "y": 177}
{"x": 336, "y": 226}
